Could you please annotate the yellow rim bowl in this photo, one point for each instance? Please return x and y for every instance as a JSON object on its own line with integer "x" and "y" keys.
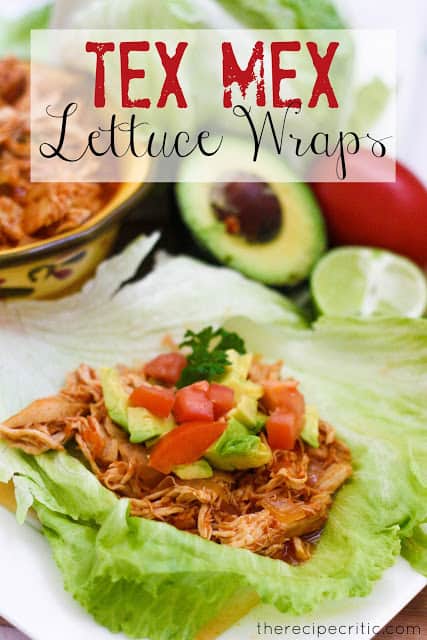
{"x": 59, "y": 265}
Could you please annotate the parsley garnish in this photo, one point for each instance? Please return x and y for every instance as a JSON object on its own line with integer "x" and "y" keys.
{"x": 208, "y": 358}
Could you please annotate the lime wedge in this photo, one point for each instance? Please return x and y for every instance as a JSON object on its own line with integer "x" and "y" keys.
{"x": 358, "y": 281}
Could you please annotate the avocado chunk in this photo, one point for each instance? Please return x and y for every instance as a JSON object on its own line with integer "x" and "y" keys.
{"x": 240, "y": 363}
{"x": 143, "y": 425}
{"x": 115, "y": 397}
{"x": 272, "y": 232}
{"x": 236, "y": 375}
{"x": 238, "y": 449}
{"x": 310, "y": 431}
{"x": 243, "y": 388}
{"x": 193, "y": 471}
{"x": 246, "y": 412}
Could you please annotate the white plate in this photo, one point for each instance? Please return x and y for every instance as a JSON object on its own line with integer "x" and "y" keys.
{"x": 33, "y": 599}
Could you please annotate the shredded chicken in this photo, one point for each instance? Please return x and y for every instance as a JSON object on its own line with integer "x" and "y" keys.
{"x": 276, "y": 510}
{"x": 33, "y": 211}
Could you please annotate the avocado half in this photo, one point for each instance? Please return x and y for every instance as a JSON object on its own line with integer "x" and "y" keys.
{"x": 288, "y": 255}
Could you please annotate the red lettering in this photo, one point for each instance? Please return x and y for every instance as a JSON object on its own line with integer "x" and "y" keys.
{"x": 322, "y": 65}
{"x": 171, "y": 83}
{"x": 100, "y": 49}
{"x": 129, "y": 74}
{"x": 231, "y": 72}
{"x": 279, "y": 74}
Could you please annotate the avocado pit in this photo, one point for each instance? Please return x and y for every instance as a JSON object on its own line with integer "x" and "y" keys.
{"x": 248, "y": 208}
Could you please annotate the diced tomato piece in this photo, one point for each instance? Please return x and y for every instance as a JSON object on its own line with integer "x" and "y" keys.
{"x": 184, "y": 444}
{"x": 284, "y": 395}
{"x": 156, "y": 399}
{"x": 282, "y": 430}
{"x": 222, "y": 398}
{"x": 166, "y": 368}
{"x": 192, "y": 403}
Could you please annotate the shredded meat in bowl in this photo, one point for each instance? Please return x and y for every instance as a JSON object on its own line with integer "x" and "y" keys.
{"x": 33, "y": 211}
{"x": 276, "y": 510}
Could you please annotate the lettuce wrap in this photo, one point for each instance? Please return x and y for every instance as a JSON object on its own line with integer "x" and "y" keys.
{"x": 367, "y": 378}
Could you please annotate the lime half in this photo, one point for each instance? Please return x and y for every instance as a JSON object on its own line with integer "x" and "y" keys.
{"x": 358, "y": 281}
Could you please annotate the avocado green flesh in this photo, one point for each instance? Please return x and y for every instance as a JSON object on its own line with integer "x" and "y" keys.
{"x": 236, "y": 374}
{"x": 240, "y": 363}
{"x": 143, "y": 425}
{"x": 246, "y": 411}
{"x": 310, "y": 432}
{"x": 115, "y": 397}
{"x": 238, "y": 449}
{"x": 286, "y": 259}
{"x": 193, "y": 471}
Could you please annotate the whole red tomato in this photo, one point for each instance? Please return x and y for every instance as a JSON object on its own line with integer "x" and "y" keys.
{"x": 391, "y": 215}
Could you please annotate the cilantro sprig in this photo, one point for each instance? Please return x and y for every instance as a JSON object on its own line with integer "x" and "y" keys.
{"x": 208, "y": 358}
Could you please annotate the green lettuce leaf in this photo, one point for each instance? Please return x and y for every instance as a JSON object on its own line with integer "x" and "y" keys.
{"x": 414, "y": 549}
{"x": 198, "y": 14}
{"x": 129, "y": 584}
{"x": 15, "y": 34}
{"x": 286, "y": 14}
{"x": 56, "y": 480}
{"x": 367, "y": 378}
